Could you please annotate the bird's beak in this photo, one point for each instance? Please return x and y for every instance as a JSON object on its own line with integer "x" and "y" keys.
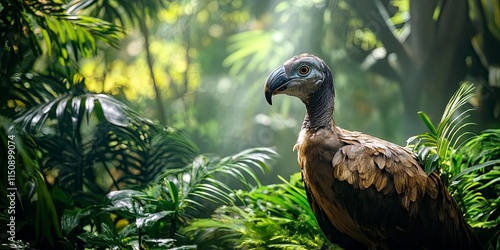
{"x": 276, "y": 82}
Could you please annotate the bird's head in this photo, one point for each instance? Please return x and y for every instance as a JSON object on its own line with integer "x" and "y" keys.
{"x": 299, "y": 76}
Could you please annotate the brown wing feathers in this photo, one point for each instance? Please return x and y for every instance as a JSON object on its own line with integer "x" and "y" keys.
{"x": 331, "y": 233}
{"x": 391, "y": 199}
{"x": 366, "y": 161}
{"x": 376, "y": 193}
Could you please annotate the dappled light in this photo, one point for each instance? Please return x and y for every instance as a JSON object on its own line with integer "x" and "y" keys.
{"x": 144, "y": 124}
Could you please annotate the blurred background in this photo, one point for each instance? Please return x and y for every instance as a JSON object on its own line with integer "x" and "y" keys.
{"x": 200, "y": 66}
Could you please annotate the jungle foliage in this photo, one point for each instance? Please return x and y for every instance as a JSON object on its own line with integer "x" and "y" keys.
{"x": 98, "y": 167}
{"x": 468, "y": 164}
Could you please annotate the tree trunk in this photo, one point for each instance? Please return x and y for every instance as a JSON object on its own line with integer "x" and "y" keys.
{"x": 149, "y": 60}
{"x": 430, "y": 63}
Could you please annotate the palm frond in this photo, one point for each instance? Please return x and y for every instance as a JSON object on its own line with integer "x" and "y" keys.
{"x": 30, "y": 89}
{"x": 169, "y": 149}
{"x": 469, "y": 165}
{"x": 63, "y": 35}
{"x": 478, "y": 195}
{"x": 273, "y": 216}
{"x": 477, "y": 187}
{"x": 160, "y": 209}
{"x": 80, "y": 33}
{"x": 249, "y": 50}
{"x": 200, "y": 179}
{"x": 442, "y": 141}
{"x": 28, "y": 184}
{"x": 121, "y": 12}
{"x": 56, "y": 127}
{"x": 94, "y": 134}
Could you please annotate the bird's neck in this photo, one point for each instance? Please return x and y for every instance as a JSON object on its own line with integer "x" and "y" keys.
{"x": 320, "y": 106}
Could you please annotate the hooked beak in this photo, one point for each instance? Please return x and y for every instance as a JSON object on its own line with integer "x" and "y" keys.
{"x": 276, "y": 82}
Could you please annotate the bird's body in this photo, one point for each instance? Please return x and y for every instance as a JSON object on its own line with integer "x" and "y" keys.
{"x": 365, "y": 192}
{"x": 375, "y": 192}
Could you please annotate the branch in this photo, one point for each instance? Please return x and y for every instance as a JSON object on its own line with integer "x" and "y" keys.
{"x": 149, "y": 59}
{"x": 376, "y": 18}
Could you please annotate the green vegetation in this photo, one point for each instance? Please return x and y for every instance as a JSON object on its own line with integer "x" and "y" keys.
{"x": 152, "y": 217}
{"x": 275, "y": 216}
{"x": 142, "y": 125}
{"x": 468, "y": 165}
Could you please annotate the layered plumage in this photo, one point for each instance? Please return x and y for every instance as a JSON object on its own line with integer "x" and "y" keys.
{"x": 364, "y": 191}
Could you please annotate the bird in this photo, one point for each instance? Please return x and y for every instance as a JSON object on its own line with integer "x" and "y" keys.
{"x": 365, "y": 192}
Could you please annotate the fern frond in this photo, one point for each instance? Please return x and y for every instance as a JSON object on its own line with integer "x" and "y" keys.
{"x": 201, "y": 178}
{"x": 274, "y": 216}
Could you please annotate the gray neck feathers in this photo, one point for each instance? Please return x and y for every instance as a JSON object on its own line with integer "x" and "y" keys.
{"x": 321, "y": 104}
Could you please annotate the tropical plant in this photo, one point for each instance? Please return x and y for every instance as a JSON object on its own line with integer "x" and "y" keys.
{"x": 477, "y": 187}
{"x": 75, "y": 142}
{"x": 437, "y": 146}
{"x": 95, "y": 131}
{"x": 31, "y": 205}
{"x": 41, "y": 45}
{"x": 469, "y": 165}
{"x": 151, "y": 218}
{"x": 32, "y": 29}
{"x": 90, "y": 143}
{"x": 81, "y": 144}
{"x": 276, "y": 216}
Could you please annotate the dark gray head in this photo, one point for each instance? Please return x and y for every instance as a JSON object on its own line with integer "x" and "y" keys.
{"x": 301, "y": 76}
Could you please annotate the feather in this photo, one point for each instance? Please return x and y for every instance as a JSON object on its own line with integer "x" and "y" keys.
{"x": 398, "y": 183}
{"x": 380, "y": 182}
{"x": 405, "y": 202}
{"x": 380, "y": 161}
{"x": 342, "y": 174}
{"x": 352, "y": 151}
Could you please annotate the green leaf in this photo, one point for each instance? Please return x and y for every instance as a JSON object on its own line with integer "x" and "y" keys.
{"x": 113, "y": 111}
{"x": 475, "y": 168}
{"x": 149, "y": 220}
{"x": 106, "y": 237}
{"x": 431, "y": 163}
{"x": 48, "y": 43}
{"x": 427, "y": 121}
{"x": 71, "y": 218}
{"x": 124, "y": 200}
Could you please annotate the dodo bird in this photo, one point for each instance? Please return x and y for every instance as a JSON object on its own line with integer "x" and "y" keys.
{"x": 366, "y": 193}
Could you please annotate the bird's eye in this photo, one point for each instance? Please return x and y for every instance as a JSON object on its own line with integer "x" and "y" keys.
{"x": 303, "y": 70}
